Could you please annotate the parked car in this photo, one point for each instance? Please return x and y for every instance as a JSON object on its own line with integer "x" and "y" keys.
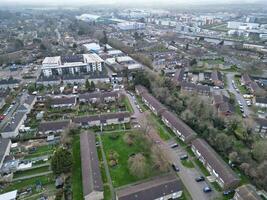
{"x": 242, "y": 110}
{"x": 174, "y": 145}
{"x": 200, "y": 178}
{"x": 244, "y": 115}
{"x": 184, "y": 157}
{"x": 2, "y": 117}
{"x": 175, "y": 167}
{"x": 207, "y": 189}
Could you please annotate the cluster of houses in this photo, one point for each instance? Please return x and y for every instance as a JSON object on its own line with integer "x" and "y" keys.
{"x": 93, "y": 97}
{"x": 249, "y": 83}
{"x": 222, "y": 104}
{"x": 161, "y": 187}
{"x": 85, "y": 122}
{"x": 222, "y": 173}
{"x": 12, "y": 127}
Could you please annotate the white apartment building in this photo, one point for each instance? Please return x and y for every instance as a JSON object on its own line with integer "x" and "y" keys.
{"x": 72, "y": 65}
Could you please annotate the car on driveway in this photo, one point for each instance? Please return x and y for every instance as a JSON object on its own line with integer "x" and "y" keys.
{"x": 228, "y": 192}
{"x": 175, "y": 167}
{"x": 200, "y": 178}
{"x": 174, "y": 145}
{"x": 207, "y": 189}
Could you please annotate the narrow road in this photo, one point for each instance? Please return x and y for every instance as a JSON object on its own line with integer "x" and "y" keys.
{"x": 238, "y": 96}
{"x": 112, "y": 190}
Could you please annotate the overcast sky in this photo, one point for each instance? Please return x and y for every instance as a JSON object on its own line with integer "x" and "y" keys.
{"x": 77, "y": 2}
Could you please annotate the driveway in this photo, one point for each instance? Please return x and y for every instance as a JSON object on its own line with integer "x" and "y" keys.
{"x": 187, "y": 175}
{"x": 238, "y": 96}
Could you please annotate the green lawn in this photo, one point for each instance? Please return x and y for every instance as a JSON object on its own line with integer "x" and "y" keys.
{"x": 163, "y": 131}
{"x": 187, "y": 163}
{"x": 128, "y": 104}
{"x": 31, "y": 172}
{"x": 45, "y": 180}
{"x": 41, "y": 151}
{"x": 76, "y": 171}
{"x": 242, "y": 89}
{"x": 216, "y": 186}
{"x": 107, "y": 193}
{"x": 120, "y": 174}
{"x": 202, "y": 168}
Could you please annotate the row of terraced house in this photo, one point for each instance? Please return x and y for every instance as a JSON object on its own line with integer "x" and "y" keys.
{"x": 222, "y": 173}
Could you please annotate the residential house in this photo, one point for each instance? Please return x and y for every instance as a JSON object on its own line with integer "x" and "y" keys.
{"x": 53, "y": 126}
{"x": 91, "y": 176}
{"x": 103, "y": 119}
{"x": 5, "y": 145}
{"x": 94, "y": 97}
{"x": 12, "y": 128}
{"x": 261, "y": 102}
{"x": 9, "y": 83}
{"x": 223, "y": 105}
{"x": 179, "y": 76}
{"x": 254, "y": 87}
{"x": 194, "y": 88}
{"x": 9, "y": 195}
{"x": 139, "y": 89}
{"x": 154, "y": 105}
{"x": 180, "y": 129}
{"x": 63, "y": 102}
{"x": 245, "y": 79}
{"x": 217, "y": 79}
{"x": 261, "y": 126}
{"x": 160, "y": 188}
{"x": 222, "y": 173}
{"x": 246, "y": 192}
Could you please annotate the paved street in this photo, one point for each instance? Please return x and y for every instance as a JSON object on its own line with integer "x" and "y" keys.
{"x": 187, "y": 175}
{"x": 238, "y": 96}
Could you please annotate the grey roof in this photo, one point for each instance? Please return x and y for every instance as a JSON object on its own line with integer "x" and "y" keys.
{"x": 153, "y": 102}
{"x": 219, "y": 99}
{"x": 247, "y": 192}
{"x": 216, "y": 76}
{"x": 53, "y": 125}
{"x": 226, "y": 107}
{"x": 91, "y": 175}
{"x": 262, "y": 100}
{"x": 188, "y": 85}
{"x": 3, "y": 146}
{"x": 179, "y": 75}
{"x": 179, "y": 125}
{"x": 254, "y": 86}
{"x": 13, "y": 124}
{"x": 261, "y": 121}
{"x": 202, "y": 88}
{"x": 59, "y": 101}
{"x": 21, "y": 108}
{"x": 214, "y": 160}
{"x": 141, "y": 89}
{"x": 150, "y": 190}
{"x": 246, "y": 78}
{"x": 102, "y": 117}
{"x": 29, "y": 100}
{"x": 9, "y": 81}
{"x": 98, "y": 95}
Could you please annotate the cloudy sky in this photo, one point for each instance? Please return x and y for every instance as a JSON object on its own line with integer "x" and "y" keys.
{"x": 88, "y": 2}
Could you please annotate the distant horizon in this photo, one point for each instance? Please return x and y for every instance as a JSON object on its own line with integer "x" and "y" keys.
{"x": 156, "y": 3}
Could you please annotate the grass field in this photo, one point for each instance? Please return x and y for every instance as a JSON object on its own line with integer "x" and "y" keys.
{"x": 120, "y": 174}
{"x": 41, "y": 151}
{"x": 77, "y": 171}
{"x": 202, "y": 168}
{"x": 128, "y": 104}
{"x": 45, "y": 180}
{"x": 31, "y": 171}
{"x": 163, "y": 131}
{"x": 187, "y": 163}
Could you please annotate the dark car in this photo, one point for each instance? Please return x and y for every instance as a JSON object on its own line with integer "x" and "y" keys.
{"x": 175, "y": 167}
{"x": 174, "y": 145}
{"x": 207, "y": 189}
{"x": 184, "y": 157}
{"x": 200, "y": 178}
